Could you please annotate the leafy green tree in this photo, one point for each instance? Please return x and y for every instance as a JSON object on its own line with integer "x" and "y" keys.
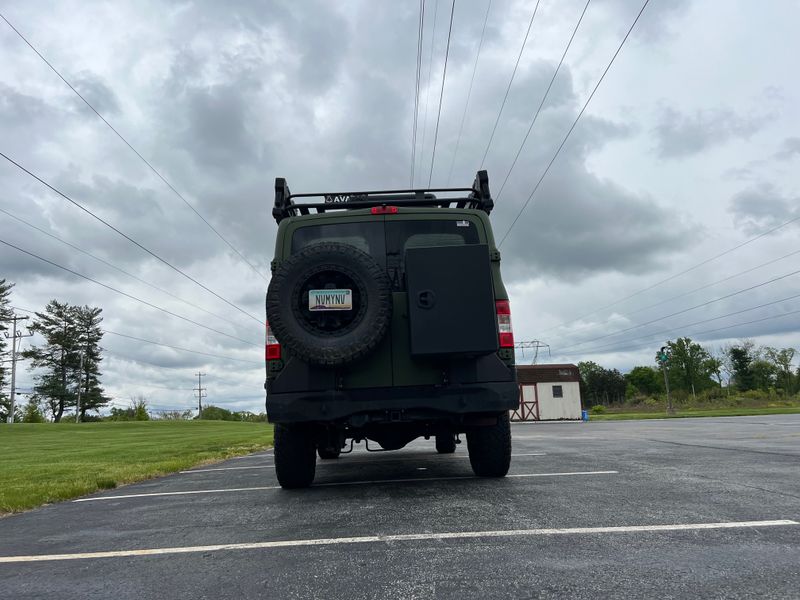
{"x": 32, "y": 413}
{"x": 714, "y": 367}
{"x": 763, "y": 373}
{"x": 782, "y": 361}
{"x": 647, "y": 380}
{"x": 599, "y": 385}
{"x": 687, "y": 367}
{"x": 137, "y": 411}
{"x": 215, "y": 413}
{"x": 741, "y": 358}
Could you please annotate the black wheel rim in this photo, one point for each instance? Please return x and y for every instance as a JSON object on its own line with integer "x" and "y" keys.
{"x": 329, "y": 323}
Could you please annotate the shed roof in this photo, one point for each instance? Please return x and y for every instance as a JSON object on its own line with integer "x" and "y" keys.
{"x": 527, "y": 374}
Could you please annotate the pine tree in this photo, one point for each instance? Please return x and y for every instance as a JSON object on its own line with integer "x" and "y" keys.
{"x": 57, "y": 360}
{"x": 5, "y": 351}
{"x": 88, "y": 321}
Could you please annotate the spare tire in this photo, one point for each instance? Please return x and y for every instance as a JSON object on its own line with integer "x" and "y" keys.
{"x": 329, "y": 337}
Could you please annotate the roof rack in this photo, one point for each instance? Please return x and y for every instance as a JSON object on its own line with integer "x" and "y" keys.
{"x": 477, "y": 197}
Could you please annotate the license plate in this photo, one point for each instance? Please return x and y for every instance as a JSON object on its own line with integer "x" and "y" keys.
{"x": 330, "y": 300}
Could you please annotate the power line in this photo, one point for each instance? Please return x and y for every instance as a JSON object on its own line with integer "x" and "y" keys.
{"x": 138, "y": 339}
{"x": 113, "y": 289}
{"x": 510, "y": 81}
{"x": 135, "y": 151}
{"x": 127, "y": 237}
{"x": 683, "y": 327}
{"x": 544, "y": 98}
{"x": 469, "y": 92}
{"x": 428, "y": 84}
{"x": 441, "y": 93}
{"x": 416, "y": 91}
{"x": 128, "y": 358}
{"x": 676, "y": 275}
{"x": 697, "y": 289}
{"x": 580, "y": 114}
{"x": 138, "y": 360}
{"x": 715, "y": 330}
{"x": 123, "y": 271}
{"x": 685, "y": 310}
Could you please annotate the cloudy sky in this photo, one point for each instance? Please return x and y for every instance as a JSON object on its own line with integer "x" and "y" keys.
{"x": 689, "y": 148}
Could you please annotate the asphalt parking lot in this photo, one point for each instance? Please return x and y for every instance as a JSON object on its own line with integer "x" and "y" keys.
{"x": 668, "y": 508}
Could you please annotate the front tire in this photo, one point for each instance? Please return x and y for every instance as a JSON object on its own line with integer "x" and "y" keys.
{"x": 295, "y": 460}
{"x": 445, "y": 444}
{"x": 490, "y": 448}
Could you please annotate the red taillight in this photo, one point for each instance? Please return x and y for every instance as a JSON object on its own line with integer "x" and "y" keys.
{"x": 384, "y": 210}
{"x": 273, "y": 350}
{"x": 505, "y": 332}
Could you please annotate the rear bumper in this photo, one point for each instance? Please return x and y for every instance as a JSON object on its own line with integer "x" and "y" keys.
{"x": 398, "y": 404}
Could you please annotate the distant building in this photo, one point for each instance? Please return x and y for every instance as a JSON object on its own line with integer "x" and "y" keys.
{"x": 548, "y": 393}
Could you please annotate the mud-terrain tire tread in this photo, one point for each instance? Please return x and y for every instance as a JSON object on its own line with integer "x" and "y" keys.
{"x": 330, "y": 351}
{"x": 490, "y": 448}
{"x": 295, "y": 456}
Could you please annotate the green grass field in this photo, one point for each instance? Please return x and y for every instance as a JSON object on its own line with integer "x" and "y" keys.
{"x": 48, "y": 462}
{"x": 713, "y": 412}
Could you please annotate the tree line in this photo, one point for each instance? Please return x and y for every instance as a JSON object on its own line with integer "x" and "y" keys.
{"x": 691, "y": 369}
{"x": 66, "y": 365}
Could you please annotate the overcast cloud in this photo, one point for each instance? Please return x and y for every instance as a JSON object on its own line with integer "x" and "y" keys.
{"x": 690, "y": 147}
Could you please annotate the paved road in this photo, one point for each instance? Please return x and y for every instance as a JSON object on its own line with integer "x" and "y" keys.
{"x": 669, "y": 509}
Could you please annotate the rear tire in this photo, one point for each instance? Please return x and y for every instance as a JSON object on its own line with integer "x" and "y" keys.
{"x": 490, "y": 448}
{"x": 295, "y": 460}
{"x": 328, "y": 453}
{"x": 445, "y": 444}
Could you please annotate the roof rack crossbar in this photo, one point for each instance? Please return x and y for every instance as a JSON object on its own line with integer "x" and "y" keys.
{"x": 479, "y": 197}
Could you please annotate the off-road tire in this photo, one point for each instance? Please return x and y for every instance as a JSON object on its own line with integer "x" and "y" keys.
{"x": 490, "y": 448}
{"x": 328, "y": 453}
{"x": 445, "y": 444}
{"x": 361, "y": 336}
{"x": 295, "y": 460}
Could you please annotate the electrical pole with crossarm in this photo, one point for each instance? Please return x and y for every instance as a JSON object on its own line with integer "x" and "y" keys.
{"x": 201, "y": 393}
{"x": 15, "y": 335}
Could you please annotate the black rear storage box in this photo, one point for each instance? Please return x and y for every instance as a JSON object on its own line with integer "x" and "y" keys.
{"x": 451, "y": 300}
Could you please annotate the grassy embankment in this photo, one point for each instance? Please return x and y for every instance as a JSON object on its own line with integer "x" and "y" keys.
{"x": 623, "y": 414}
{"x": 48, "y": 462}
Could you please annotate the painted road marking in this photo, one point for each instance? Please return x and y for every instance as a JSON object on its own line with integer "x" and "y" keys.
{"x": 371, "y": 539}
{"x": 183, "y": 493}
{"x": 345, "y": 462}
{"x": 228, "y": 469}
{"x": 462, "y": 477}
{"x": 335, "y": 483}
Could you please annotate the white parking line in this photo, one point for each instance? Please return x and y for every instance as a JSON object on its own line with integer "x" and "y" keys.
{"x": 334, "y": 483}
{"x": 464, "y": 477}
{"x": 345, "y": 462}
{"x": 227, "y": 469}
{"x": 183, "y": 493}
{"x": 371, "y": 539}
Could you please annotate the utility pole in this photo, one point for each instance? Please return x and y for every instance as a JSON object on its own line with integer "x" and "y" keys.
{"x": 663, "y": 358}
{"x": 80, "y": 385}
{"x": 15, "y": 335}
{"x": 201, "y": 393}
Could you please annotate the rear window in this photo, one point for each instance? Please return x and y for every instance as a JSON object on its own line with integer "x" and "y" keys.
{"x": 367, "y": 237}
{"x": 402, "y": 235}
{"x": 387, "y": 241}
